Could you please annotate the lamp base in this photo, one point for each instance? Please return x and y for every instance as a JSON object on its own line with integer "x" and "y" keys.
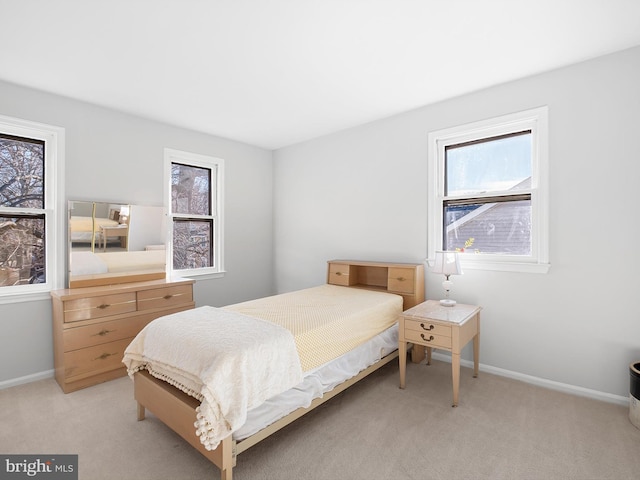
{"x": 447, "y": 302}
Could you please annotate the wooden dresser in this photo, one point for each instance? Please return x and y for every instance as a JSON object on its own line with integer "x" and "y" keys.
{"x": 405, "y": 279}
{"x": 92, "y": 326}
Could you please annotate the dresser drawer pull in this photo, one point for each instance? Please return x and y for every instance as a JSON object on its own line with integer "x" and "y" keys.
{"x": 339, "y": 274}
{"x": 102, "y": 333}
{"x": 168, "y": 296}
{"x": 426, "y": 339}
{"x": 431, "y": 327}
{"x": 103, "y": 306}
{"x": 401, "y": 279}
{"x": 104, "y": 356}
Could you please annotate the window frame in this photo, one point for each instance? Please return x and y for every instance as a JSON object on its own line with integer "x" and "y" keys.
{"x": 216, "y": 167}
{"x": 54, "y": 208}
{"x": 535, "y": 120}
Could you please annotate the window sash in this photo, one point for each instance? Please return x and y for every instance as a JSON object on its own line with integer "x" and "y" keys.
{"x": 189, "y": 252}
{"x": 497, "y": 143}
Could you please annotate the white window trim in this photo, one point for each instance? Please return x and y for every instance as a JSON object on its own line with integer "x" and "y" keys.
{"x": 55, "y": 254}
{"x": 205, "y": 161}
{"x": 536, "y": 120}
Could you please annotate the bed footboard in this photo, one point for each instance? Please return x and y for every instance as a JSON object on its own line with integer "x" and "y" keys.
{"x": 177, "y": 410}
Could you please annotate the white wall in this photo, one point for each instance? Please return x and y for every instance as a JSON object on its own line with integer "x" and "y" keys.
{"x": 111, "y": 156}
{"x": 361, "y": 194}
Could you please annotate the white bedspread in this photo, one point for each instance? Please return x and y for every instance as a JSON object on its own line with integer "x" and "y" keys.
{"x": 222, "y": 358}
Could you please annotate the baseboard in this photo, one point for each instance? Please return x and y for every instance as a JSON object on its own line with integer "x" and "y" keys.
{"x": 542, "y": 382}
{"x": 27, "y": 379}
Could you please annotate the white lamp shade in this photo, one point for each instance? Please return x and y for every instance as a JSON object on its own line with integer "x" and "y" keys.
{"x": 447, "y": 263}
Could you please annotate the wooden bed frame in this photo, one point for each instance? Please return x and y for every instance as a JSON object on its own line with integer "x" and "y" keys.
{"x": 177, "y": 409}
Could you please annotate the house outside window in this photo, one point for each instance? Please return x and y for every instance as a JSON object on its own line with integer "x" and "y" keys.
{"x": 194, "y": 198}
{"x": 488, "y": 187}
{"x": 31, "y": 183}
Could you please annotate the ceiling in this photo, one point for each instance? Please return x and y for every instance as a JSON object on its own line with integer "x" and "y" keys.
{"x": 272, "y": 73}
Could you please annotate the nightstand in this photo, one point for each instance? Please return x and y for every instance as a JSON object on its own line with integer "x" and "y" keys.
{"x": 121, "y": 231}
{"x": 432, "y": 325}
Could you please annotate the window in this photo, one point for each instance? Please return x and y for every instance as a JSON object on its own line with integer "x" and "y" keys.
{"x": 194, "y": 196}
{"x": 488, "y": 192}
{"x": 31, "y": 182}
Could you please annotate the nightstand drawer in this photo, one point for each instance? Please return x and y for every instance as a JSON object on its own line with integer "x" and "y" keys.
{"x": 98, "y": 307}
{"x": 428, "y": 339}
{"x": 401, "y": 280}
{"x": 425, "y": 326}
{"x": 164, "y": 297}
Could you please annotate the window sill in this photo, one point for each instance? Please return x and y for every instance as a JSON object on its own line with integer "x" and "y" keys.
{"x": 24, "y": 297}
{"x": 498, "y": 265}
{"x": 195, "y": 275}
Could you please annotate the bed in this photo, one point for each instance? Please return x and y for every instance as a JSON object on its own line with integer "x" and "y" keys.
{"x": 92, "y": 263}
{"x": 88, "y": 269}
{"x": 87, "y": 229}
{"x": 340, "y": 334}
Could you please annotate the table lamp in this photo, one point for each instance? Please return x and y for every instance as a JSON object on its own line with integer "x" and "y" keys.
{"x": 448, "y": 264}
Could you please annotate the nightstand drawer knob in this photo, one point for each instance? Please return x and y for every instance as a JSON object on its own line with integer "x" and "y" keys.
{"x": 431, "y": 327}
{"x": 426, "y": 339}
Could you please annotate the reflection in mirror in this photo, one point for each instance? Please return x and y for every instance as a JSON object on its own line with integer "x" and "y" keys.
{"x": 115, "y": 243}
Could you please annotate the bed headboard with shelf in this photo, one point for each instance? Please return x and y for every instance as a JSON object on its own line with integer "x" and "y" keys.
{"x": 405, "y": 279}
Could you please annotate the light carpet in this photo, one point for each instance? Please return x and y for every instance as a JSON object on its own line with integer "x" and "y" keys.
{"x": 502, "y": 429}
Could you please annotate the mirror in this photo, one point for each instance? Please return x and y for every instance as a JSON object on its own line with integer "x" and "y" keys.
{"x": 115, "y": 243}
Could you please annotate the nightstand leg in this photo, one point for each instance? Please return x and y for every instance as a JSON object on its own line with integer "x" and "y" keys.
{"x": 429, "y": 351}
{"x": 476, "y": 355}
{"x": 455, "y": 375}
{"x": 476, "y": 347}
{"x": 402, "y": 356}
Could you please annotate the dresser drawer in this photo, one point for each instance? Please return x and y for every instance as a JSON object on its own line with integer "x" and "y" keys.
{"x": 339, "y": 274}
{"x": 98, "y": 307}
{"x": 93, "y": 360}
{"x": 99, "y": 333}
{"x": 401, "y": 280}
{"x": 428, "y": 339}
{"x": 164, "y": 297}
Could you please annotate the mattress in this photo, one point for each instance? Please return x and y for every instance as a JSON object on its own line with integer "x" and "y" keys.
{"x": 318, "y": 382}
{"x": 339, "y": 332}
{"x": 326, "y": 321}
